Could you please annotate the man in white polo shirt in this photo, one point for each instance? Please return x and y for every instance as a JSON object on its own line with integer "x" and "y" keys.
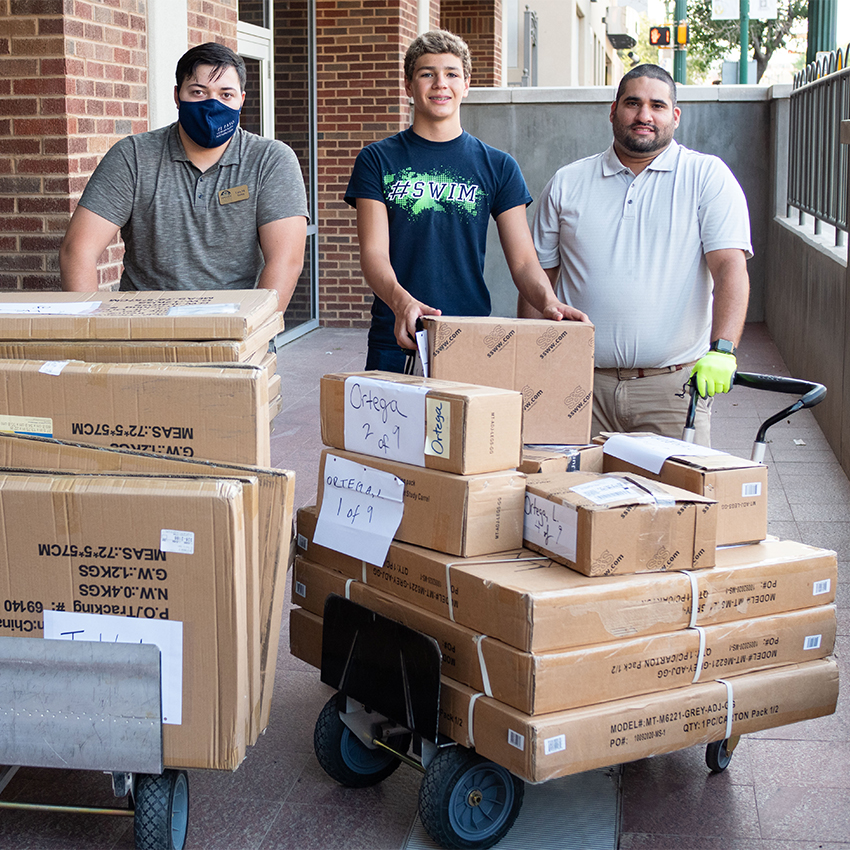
{"x": 651, "y": 240}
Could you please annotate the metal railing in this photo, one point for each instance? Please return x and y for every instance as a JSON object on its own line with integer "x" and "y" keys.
{"x": 529, "y": 56}
{"x": 818, "y": 162}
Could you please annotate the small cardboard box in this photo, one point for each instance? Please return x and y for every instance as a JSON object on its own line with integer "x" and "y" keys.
{"x": 216, "y": 413}
{"x": 275, "y": 498}
{"x": 546, "y": 460}
{"x": 738, "y": 486}
{"x": 536, "y": 605}
{"x": 576, "y": 740}
{"x": 550, "y": 363}
{"x": 604, "y": 525}
{"x": 218, "y": 314}
{"x": 460, "y": 428}
{"x": 105, "y": 545}
{"x": 147, "y": 351}
{"x": 537, "y": 683}
{"x": 464, "y": 515}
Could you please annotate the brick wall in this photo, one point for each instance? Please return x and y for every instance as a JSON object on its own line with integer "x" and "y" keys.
{"x": 361, "y": 99}
{"x": 211, "y": 20}
{"x": 73, "y": 80}
{"x": 479, "y": 24}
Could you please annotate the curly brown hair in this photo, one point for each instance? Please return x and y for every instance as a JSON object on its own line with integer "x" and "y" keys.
{"x": 437, "y": 42}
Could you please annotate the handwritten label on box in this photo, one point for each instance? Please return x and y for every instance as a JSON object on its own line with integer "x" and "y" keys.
{"x": 385, "y": 419}
{"x": 361, "y": 510}
{"x": 550, "y": 525}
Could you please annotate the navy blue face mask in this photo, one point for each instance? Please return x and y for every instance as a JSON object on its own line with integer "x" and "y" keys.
{"x": 208, "y": 123}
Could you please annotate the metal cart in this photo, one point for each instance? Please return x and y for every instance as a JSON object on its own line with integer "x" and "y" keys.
{"x": 92, "y": 706}
{"x": 387, "y": 678}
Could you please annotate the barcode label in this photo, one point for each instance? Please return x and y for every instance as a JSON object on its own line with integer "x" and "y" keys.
{"x": 811, "y": 642}
{"x": 300, "y": 588}
{"x": 302, "y": 542}
{"x": 554, "y": 745}
{"x": 516, "y": 740}
{"x": 820, "y": 587}
{"x": 751, "y": 490}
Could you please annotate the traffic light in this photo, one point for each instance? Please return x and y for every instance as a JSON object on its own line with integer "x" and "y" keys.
{"x": 659, "y": 36}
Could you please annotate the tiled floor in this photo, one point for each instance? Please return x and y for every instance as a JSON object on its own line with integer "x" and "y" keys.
{"x": 786, "y": 789}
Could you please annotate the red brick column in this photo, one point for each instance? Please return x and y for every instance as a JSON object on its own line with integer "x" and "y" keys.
{"x": 211, "y": 20}
{"x": 479, "y": 24}
{"x": 73, "y": 80}
{"x": 360, "y": 93}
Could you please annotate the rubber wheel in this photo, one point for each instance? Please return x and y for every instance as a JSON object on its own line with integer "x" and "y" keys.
{"x": 718, "y": 754}
{"x": 161, "y": 810}
{"x": 344, "y": 757}
{"x": 466, "y": 801}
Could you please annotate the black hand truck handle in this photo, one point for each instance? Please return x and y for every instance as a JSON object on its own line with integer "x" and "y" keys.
{"x": 810, "y": 393}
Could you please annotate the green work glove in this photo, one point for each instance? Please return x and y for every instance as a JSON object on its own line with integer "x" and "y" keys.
{"x": 714, "y": 372}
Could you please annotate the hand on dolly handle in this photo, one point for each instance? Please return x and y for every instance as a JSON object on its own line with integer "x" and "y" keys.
{"x": 714, "y": 373}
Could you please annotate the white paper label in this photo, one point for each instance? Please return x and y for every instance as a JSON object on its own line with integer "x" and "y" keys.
{"x": 385, "y": 419}
{"x": 651, "y": 451}
{"x": 438, "y": 427}
{"x": 300, "y": 589}
{"x": 53, "y": 367}
{"x": 302, "y": 542}
{"x": 607, "y": 491}
{"x": 751, "y": 490}
{"x": 361, "y": 510}
{"x": 32, "y": 426}
{"x": 166, "y": 634}
{"x": 551, "y": 526}
{"x": 812, "y": 642}
{"x": 179, "y": 542}
{"x": 516, "y": 740}
{"x": 820, "y": 587}
{"x": 203, "y": 310}
{"x": 554, "y": 745}
{"x": 26, "y": 307}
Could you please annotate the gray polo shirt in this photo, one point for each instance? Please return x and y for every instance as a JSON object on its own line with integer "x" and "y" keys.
{"x": 186, "y": 230}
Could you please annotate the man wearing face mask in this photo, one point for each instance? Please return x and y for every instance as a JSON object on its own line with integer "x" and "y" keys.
{"x": 201, "y": 204}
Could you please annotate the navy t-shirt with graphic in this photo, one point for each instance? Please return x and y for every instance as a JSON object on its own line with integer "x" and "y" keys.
{"x": 439, "y": 197}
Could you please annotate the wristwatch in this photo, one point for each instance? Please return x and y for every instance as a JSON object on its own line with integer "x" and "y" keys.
{"x": 724, "y": 346}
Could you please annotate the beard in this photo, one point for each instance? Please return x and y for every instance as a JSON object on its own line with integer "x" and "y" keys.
{"x": 642, "y": 144}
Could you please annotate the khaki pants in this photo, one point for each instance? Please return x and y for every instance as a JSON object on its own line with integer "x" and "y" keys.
{"x": 654, "y": 403}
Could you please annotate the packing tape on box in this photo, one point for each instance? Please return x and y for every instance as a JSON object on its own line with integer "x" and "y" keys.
{"x": 694, "y": 597}
{"x": 730, "y": 707}
{"x": 485, "y": 677}
{"x": 348, "y": 584}
{"x": 701, "y": 657}
{"x": 469, "y": 717}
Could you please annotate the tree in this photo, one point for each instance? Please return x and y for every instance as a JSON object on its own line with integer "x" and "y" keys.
{"x": 711, "y": 41}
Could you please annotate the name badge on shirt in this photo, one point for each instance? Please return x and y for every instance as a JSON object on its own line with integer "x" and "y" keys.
{"x": 231, "y": 196}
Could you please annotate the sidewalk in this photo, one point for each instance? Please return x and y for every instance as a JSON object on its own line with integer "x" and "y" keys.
{"x": 786, "y": 789}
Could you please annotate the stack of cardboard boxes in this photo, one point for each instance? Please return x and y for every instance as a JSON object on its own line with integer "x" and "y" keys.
{"x": 612, "y": 629}
{"x": 143, "y": 490}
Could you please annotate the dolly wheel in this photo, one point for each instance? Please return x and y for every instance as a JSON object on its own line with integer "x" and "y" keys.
{"x": 344, "y": 757}
{"x": 161, "y": 810}
{"x": 466, "y": 801}
{"x": 718, "y": 754}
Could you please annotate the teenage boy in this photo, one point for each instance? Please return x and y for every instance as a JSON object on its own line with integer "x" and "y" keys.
{"x": 202, "y": 203}
{"x": 423, "y": 199}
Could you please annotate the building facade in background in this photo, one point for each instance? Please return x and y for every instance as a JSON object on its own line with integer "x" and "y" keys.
{"x": 324, "y": 76}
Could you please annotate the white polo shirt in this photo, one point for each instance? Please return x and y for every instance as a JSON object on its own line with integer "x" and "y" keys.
{"x": 632, "y": 250}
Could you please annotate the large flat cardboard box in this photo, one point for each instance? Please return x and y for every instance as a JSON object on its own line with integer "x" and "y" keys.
{"x": 147, "y": 351}
{"x": 219, "y": 314}
{"x": 535, "y": 604}
{"x": 546, "y": 746}
{"x": 105, "y": 545}
{"x": 537, "y": 683}
{"x": 216, "y": 413}
{"x": 580, "y": 739}
{"x": 550, "y": 363}
{"x": 603, "y": 525}
{"x": 540, "y": 460}
{"x": 275, "y": 497}
{"x": 447, "y": 425}
{"x": 464, "y": 515}
{"x": 738, "y": 486}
